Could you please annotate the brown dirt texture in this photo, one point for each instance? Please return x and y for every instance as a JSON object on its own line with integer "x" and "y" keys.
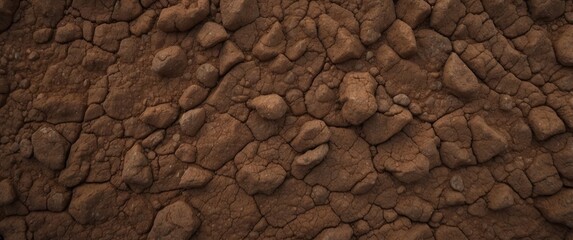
{"x": 286, "y": 119}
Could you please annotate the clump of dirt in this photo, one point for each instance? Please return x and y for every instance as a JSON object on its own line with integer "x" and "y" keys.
{"x": 269, "y": 119}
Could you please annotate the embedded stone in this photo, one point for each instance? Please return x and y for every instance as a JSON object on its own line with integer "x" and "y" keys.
{"x": 270, "y": 106}
{"x": 50, "y": 148}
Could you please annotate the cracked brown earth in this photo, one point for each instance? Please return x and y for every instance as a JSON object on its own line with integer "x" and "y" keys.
{"x": 286, "y": 119}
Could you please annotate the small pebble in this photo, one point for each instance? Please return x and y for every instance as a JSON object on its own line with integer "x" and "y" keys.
{"x": 176, "y": 137}
{"x": 380, "y": 80}
{"x": 374, "y": 71}
{"x": 569, "y": 17}
{"x": 401, "y": 189}
{"x": 369, "y": 55}
{"x": 554, "y": 27}
{"x": 506, "y": 103}
{"x": 457, "y": 183}
{"x": 390, "y": 215}
{"x": 33, "y": 56}
{"x": 415, "y": 108}
{"x": 151, "y": 155}
{"x": 14, "y": 147}
{"x": 24, "y": 84}
{"x": 437, "y": 217}
{"x": 401, "y": 99}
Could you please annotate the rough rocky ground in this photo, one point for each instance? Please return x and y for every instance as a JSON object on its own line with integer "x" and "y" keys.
{"x": 292, "y": 119}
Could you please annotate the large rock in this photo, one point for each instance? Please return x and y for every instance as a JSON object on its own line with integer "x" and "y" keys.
{"x": 446, "y": 14}
{"x": 545, "y": 123}
{"x": 182, "y": 17}
{"x": 311, "y": 134}
{"x": 381, "y": 127}
{"x": 7, "y": 10}
{"x": 413, "y": 12}
{"x": 415, "y": 208}
{"x": 487, "y": 142}
{"x": 377, "y": 17}
{"x": 136, "y": 171}
{"x": 160, "y": 116}
{"x": 304, "y": 163}
{"x": 175, "y": 221}
{"x": 270, "y": 106}
{"x": 169, "y": 62}
{"x": 62, "y": 109}
{"x": 271, "y": 44}
{"x": 109, "y": 36}
{"x": 357, "y": 95}
{"x": 546, "y": 10}
{"x": 211, "y": 34}
{"x": 193, "y": 96}
{"x": 557, "y": 208}
{"x": 401, "y": 38}
{"x": 195, "y": 177}
{"x": 238, "y": 13}
{"x": 50, "y": 148}
{"x": 459, "y": 79}
{"x": 562, "y": 46}
{"x": 254, "y": 178}
{"x": 500, "y": 197}
{"x": 192, "y": 120}
{"x": 94, "y": 203}
{"x": 220, "y": 140}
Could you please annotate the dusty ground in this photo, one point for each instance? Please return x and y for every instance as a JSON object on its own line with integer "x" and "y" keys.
{"x": 270, "y": 119}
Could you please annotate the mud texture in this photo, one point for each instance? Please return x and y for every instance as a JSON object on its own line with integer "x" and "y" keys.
{"x": 286, "y": 119}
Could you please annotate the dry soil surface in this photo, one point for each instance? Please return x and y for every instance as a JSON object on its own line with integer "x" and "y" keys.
{"x": 286, "y": 119}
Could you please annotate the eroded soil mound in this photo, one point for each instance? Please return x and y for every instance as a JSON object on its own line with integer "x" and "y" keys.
{"x": 292, "y": 119}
